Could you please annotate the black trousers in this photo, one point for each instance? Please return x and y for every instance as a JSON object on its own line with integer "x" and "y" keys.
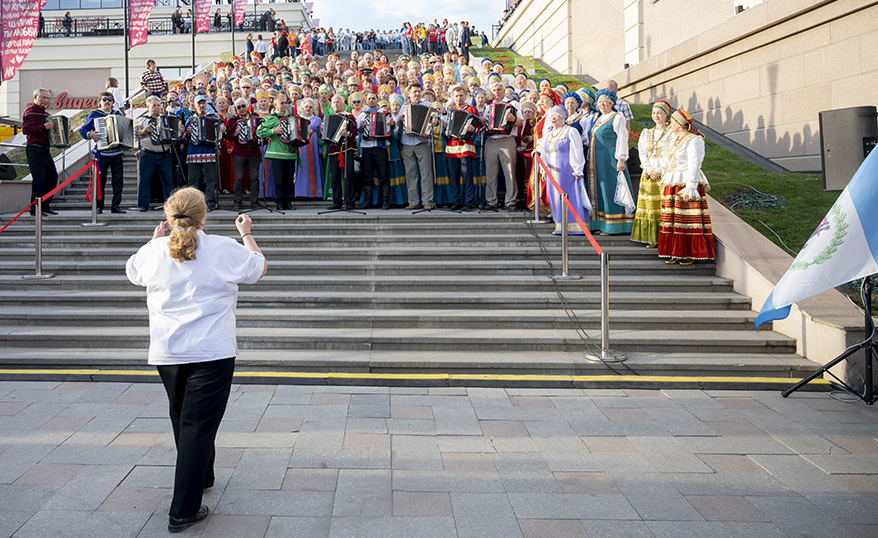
{"x": 114, "y": 165}
{"x": 284, "y": 172}
{"x": 342, "y": 179}
{"x": 42, "y": 169}
{"x": 198, "y": 394}
{"x": 375, "y": 161}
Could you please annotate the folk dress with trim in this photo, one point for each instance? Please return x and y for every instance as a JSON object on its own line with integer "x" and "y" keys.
{"x": 685, "y": 230}
{"x": 562, "y": 153}
{"x": 609, "y": 142}
{"x": 309, "y": 174}
{"x": 652, "y": 146}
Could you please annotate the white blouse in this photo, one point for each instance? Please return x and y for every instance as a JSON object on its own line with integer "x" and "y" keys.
{"x": 652, "y": 147}
{"x": 192, "y": 304}
{"x": 577, "y": 157}
{"x": 682, "y": 164}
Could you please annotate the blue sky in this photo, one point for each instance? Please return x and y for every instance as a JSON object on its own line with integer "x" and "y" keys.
{"x": 386, "y": 14}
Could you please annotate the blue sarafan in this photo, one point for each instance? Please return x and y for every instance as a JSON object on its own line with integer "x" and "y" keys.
{"x": 844, "y": 247}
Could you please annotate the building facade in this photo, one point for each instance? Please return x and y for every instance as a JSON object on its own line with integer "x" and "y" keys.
{"x": 757, "y": 71}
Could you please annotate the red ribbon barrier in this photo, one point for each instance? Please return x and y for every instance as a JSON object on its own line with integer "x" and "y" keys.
{"x": 50, "y": 194}
{"x": 576, "y": 216}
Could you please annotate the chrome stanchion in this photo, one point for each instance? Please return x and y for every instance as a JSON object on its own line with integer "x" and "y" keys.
{"x": 95, "y": 177}
{"x": 38, "y": 240}
{"x": 564, "y": 254}
{"x": 606, "y": 355}
{"x": 535, "y": 181}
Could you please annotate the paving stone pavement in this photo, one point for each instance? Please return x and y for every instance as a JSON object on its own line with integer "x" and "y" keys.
{"x": 96, "y": 459}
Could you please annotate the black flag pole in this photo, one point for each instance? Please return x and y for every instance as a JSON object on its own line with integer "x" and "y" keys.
{"x": 193, "y": 21}
{"x": 126, "y": 37}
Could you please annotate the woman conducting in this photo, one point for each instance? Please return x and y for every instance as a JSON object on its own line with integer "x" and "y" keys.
{"x": 685, "y": 233}
{"x": 561, "y": 150}
{"x": 191, "y": 281}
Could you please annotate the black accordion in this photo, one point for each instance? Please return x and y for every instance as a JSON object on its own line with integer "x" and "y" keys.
{"x": 458, "y": 121}
{"x": 332, "y": 128}
{"x": 59, "y": 135}
{"x": 205, "y": 131}
{"x": 165, "y": 130}
{"x": 375, "y": 126}
{"x": 116, "y": 132}
{"x": 247, "y": 130}
{"x": 497, "y": 118}
{"x": 419, "y": 120}
{"x": 294, "y": 130}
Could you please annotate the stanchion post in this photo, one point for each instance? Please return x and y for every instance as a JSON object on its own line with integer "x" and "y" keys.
{"x": 535, "y": 179}
{"x": 95, "y": 177}
{"x": 38, "y": 242}
{"x": 606, "y": 355}
{"x": 565, "y": 257}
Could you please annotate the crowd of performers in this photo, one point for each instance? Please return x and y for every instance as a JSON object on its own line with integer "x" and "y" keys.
{"x": 274, "y": 146}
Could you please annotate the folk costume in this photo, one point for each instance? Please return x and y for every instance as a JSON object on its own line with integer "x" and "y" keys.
{"x": 609, "y": 143}
{"x": 652, "y": 147}
{"x": 561, "y": 150}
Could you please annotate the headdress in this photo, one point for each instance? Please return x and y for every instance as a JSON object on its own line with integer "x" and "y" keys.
{"x": 575, "y": 96}
{"x": 663, "y": 105}
{"x": 685, "y": 120}
{"x": 606, "y": 94}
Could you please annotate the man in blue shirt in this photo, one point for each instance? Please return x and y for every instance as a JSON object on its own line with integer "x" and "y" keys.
{"x": 108, "y": 159}
{"x": 201, "y": 157}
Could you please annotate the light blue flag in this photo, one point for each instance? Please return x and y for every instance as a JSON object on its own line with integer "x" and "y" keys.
{"x": 843, "y": 248}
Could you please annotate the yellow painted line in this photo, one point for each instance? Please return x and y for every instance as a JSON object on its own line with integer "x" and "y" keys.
{"x": 431, "y": 377}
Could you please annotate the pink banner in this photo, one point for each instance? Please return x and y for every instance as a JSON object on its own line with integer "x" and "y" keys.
{"x": 20, "y": 23}
{"x": 240, "y": 11}
{"x": 202, "y": 15}
{"x": 138, "y": 20}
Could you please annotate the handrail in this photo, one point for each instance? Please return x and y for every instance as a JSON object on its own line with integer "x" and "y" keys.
{"x": 597, "y": 248}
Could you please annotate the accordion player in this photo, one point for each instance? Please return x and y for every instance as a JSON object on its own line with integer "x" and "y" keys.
{"x": 418, "y": 120}
{"x": 497, "y": 118}
{"x": 294, "y": 131}
{"x": 458, "y": 121}
{"x": 115, "y": 132}
{"x": 375, "y": 125}
{"x": 59, "y": 135}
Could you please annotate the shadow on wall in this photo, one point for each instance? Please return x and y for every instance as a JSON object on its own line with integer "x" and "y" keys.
{"x": 764, "y": 139}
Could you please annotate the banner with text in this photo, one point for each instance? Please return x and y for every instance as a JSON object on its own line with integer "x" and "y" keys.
{"x": 202, "y": 15}
{"x": 240, "y": 11}
{"x": 138, "y": 15}
{"x": 19, "y": 25}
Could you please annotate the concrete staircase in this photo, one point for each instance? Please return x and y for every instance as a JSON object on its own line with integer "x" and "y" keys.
{"x": 386, "y": 292}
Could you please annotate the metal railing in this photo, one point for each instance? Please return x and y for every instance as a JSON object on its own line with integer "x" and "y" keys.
{"x": 606, "y": 355}
{"x": 114, "y": 26}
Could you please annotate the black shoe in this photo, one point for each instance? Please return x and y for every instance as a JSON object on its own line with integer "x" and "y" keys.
{"x": 100, "y": 211}
{"x": 178, "y": 524}
{"x": 33, "y": 212}
{"x": 511, "y": 209}
{"x": 116, "y": 209}
{"x": 490, "y": 208}
{"x": 48, "y": 211}
{"x": 457, "y": 207}
{"x": 212, "y": 207}
{"x": 467, "y": 208}
{"x": 385, "y": 206}
{"x": 335, "y": 206}
{"x": 143, "y": 209}
{"x": 365, "y": 205}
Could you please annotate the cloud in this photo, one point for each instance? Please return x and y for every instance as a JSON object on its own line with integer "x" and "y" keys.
{"x": 389, "y": 14}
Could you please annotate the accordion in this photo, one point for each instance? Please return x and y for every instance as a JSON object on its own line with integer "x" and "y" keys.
{"x": 497, "y": 118}
{"x": 418, "y": 120}
{"x": 247, "y": 133}
{"x": 294, "y": 130}
{"x": 332, "y": 127}
{"x": 375, "y": 126}
{"x": 205, "y": 131}
{"x": 458, "y": 121}
{"x": 59, "y": 135}
{"x": 165, "y": 129}
{"x": 116, "y": 132}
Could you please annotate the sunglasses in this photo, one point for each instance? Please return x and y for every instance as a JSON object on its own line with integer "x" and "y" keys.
{"x": 108, "y": 99}
{"x": 356, "y": 102}
{"x": 240, "y": 106}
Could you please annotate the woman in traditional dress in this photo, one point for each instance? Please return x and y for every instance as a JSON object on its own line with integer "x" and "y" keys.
{"x": 685, "y": 233}
{"x": 309, "y": 176}
{"x": 561, "y": 150}
{"x": 590, "y": 115}
{"x": 547, "y": 100}
{"x": 524, "y": 141}
{"x": 573, "y": 105}
{"x": 652, "y": 146}
{"x": 608, "y": 153}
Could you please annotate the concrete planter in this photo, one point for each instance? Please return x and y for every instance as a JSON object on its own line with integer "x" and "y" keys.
{"x": 14, "y": 195}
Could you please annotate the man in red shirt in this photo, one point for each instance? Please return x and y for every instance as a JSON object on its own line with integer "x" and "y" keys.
{"x": 36, "y": 126}
{"x": 433, "y": 39}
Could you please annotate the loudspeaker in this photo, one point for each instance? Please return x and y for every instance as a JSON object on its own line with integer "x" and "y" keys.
{"x": 847, "y": 136}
